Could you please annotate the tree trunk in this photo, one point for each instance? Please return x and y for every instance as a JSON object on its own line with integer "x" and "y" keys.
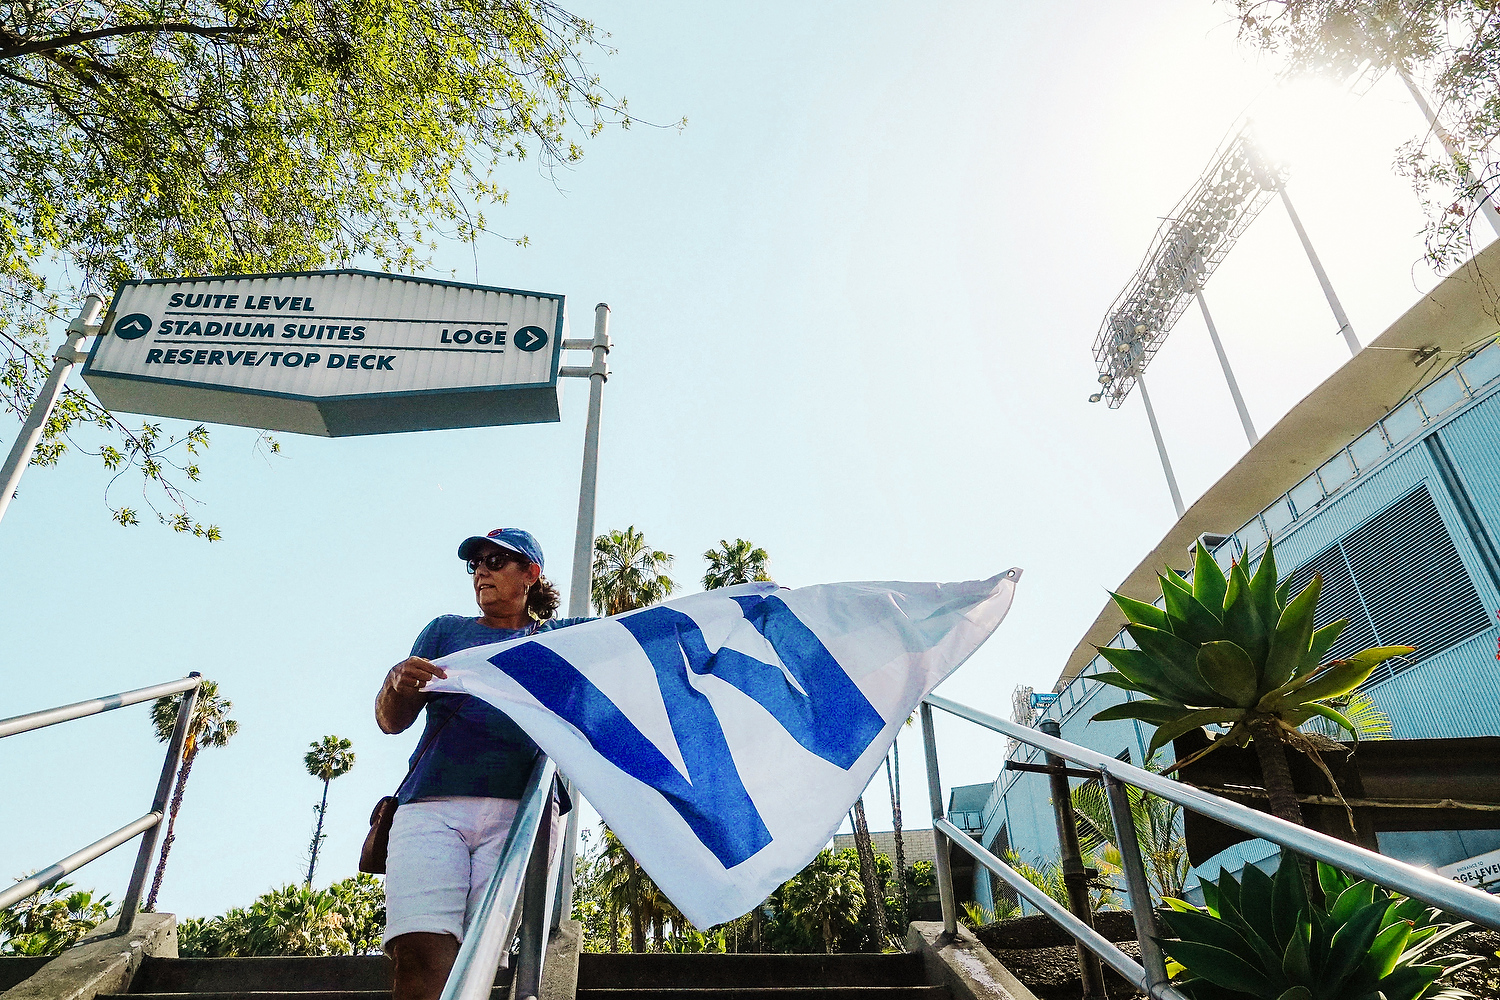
{"x": 637, "y": 924}
{"x": 902, "y": 904}
{"x": 614, "y": 929}
{"x": 312, "y": 864}
{"x": 166, "y": 841}
{"x": 827, "y": 935}
{"x": 1276, "y": 774}
{"x": 869, "y": 875}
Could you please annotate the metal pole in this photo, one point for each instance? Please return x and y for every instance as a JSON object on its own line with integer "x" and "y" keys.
{"x": 562, "y": 900}
{"x": 583, "y": 540}
{"x": 83, "y": 325}
{"x": 173, "y": 761}
{"x": 1486, "y": 205}
{"x": 528, "y": 975}
{"x": 1135, "y": 880}
{"x": 1234, "y": 387}
{"x": 1161, "y": 446}
{"x": 943, "y": 860}
{"x": 76, "y": 860}
{"x": 1345, "y": 327}
{"x": 1074, "y": 877}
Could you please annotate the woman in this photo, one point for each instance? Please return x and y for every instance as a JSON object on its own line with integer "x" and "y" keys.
{"x": 468, "y": 771}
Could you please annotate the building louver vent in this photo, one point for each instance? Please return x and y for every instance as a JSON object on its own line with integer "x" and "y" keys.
{"x": 1399, "y": 580}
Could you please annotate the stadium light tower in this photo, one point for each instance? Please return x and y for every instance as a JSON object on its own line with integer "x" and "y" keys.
{"x": 1486, "y": 203}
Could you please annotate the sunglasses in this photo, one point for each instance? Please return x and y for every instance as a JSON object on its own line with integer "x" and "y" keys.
{"x": 494, "y": 561}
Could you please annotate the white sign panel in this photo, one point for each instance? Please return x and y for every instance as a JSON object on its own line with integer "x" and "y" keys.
{"x": 332, "y": 353}
{"x": 1481, "y": 872}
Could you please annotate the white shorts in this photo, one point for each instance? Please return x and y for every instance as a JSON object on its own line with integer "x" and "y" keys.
{"x": 440, "y": 857}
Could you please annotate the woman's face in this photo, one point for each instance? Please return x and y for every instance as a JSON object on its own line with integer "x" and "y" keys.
{"x": 503, "y": 591}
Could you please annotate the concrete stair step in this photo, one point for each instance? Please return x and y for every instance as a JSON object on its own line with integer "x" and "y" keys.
{"x": 206, "y": 976}
{"x": 770, "y": 993}
{"x": 636, "y": 972}
{"x": 16, "y": 969}
{"x": 498, "y": 993}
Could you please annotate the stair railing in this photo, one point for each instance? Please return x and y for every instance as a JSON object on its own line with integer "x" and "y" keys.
{"x": 148, "y": 827}
{"x": 517, "y": 892}
{"x": 1150, "y": 975}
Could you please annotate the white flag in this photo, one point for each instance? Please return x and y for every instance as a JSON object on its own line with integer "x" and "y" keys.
{"x": 724, "y": 736}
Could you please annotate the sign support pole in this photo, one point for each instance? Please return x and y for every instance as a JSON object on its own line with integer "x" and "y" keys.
{"x": 580, "y": 588}
{"x": 85, "y": 324}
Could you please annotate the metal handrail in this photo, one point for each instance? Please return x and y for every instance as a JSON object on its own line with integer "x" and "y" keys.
{"x": 82, "y": 709}
{"x": 522, "y": 869}
{"x": 149, "y": 825}
{"x": 1417, "y": 883}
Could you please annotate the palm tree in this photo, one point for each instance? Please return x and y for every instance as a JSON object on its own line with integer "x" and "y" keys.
{"x": 210, "y": 726}
{"x": 1162, "y": 846}
{"x": 893, "y": 780}
{"x": 825, "y": 897}
{"x": 628, "y": 573}
{"x": 868, "y": 875}
{"x": 730, "y": 564}
{"x": 328, "y": 758}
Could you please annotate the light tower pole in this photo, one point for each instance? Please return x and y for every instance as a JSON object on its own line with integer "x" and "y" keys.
{"x": 1486, "y": 204}
{"x": 1161, "y": 447}
{"x": 1234, "y": 387}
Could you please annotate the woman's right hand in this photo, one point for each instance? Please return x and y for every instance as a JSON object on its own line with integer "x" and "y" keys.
{"x": 401, "y": 698}
{"x": 407, "y": 677}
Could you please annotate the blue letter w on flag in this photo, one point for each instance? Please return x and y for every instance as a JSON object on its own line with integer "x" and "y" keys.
{"x": 833, "y": 719}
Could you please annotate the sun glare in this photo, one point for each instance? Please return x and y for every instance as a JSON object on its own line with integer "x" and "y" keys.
{"x": 1297, "y": 122}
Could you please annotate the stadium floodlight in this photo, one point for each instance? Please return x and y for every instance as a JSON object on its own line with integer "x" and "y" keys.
{"x": 1187, "y": 248}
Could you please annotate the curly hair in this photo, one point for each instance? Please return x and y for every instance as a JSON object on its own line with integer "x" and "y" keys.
{"x": 542, "y": 599}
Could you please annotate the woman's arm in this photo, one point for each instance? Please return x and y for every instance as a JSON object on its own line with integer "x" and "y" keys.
{"x": 401, "y": 699}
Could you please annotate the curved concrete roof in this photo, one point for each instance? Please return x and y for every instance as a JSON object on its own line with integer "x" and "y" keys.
{"x": 1463, "y": 309}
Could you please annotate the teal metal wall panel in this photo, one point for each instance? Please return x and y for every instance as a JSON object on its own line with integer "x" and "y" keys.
{"x": 1454, "y": 694}
{"x": 1473, "y": 440}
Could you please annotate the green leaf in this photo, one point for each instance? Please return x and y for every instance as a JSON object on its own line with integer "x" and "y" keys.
{"x": 1296, "y": 961}
{"x": 1228, "y": 670}
{"x": 1386, "y": 951}
{"x": 1208, "y": 582}
{"x": 1118, "y": 680}
{"x": 1353, "y": 899}
{"x": 1188, "y": 620}
{"x": 1264, "y": 586}
{"x": 1211, "y": 896}
{"x": 1173, "y": 580}
{"x": 1293, "y": 635}
{"x": 1322, "y": 641}
{"x": 1140, "y": 613}
{"x": 1140, "y": 667}
{"x": 1288, "y": 899}
{"x": 1283, "y": 592}
{"x": 1168, "y": 732}
{"x": 1155, "y": 712}
{"x": 1331, "y": 881}
{"x": 1203, "y": 929}
{"x": 1333, "y": 715}
{"x": 1408, "y": 983}
{"x": 1178, "y": 662}
{"x": 1296, "y": 993}
{"x": 1180, "y": 905}
{"x": 1350, "y": 945}
{"x": 1255, "y": 900}
{"x": 1339, "y": 677}
{"x": 1376, "y": 655}
{"x": 1242, "y": 622}
{"x": 1217, "y": 966}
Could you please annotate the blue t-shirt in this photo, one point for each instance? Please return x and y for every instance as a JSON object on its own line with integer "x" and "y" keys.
{"x": 481, "y": 752}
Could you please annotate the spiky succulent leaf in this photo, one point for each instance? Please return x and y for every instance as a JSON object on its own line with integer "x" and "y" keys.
{"x": 1328, "y": 712}
{"x": 1140, "y": 613}
{"x": 1204, "y": 929}
{"x": 1284, "y": 592}
{"x": 1211, "y": 897}
{"x": 1218, "y": 966}
{"x": 1353, "y": 899}
{"x": 1292, "y": 637}
{"x": 1296, "y": 960}
{"x": 1118, "y": 680}
{"x": 1181, "y": 905}
{"x": 1386, "y": 951}
{"x": 1337, "y": 678}
{"x": 1174, "y": 580}
{"x": 1242, "y": 622}
{"x": 1288, "y": 900}
{"x": 1228, "y": 670}
{"x": 1141, "y": 667}
{"x": 1409, "y": 982}
{"x": 1296, "y": 993}
{"x": 1332, "y": 881}
{"x": 1351, "y": 943}
{"x": 1189, "y": 620}
{"x": 1264, "y": 585}
{"x": 1322, "y": 641}
{"x": 1208, "y": 582}
{"x": 1376, "y": 655}
{"x": 1193, "y": 720}
{"x": 1178, "y": 661}
{"x": 1158, "y": 713}
{"x": 1255, "y": 900}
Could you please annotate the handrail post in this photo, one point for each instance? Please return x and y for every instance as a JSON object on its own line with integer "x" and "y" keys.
{"x": 534, "y": 922}
{"x": 173, "y": 761}
{"x": 562, "y": 902}
{"x": 1135, "y": 880}
{"x": 943, "y": 861}
{"x": 1074, "y": 877}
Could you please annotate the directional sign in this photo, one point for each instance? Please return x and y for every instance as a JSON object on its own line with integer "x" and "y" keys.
{"x": 330, "y": 352}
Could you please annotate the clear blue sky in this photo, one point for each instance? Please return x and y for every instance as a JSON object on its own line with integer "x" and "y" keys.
{"x": 854, "y": 302}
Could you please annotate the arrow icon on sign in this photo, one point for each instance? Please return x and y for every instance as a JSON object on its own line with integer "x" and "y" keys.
{"x": 531, "y": 338}
{"x": 133, "y": 327}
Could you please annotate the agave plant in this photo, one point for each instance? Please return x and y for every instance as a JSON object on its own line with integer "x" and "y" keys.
{"x": 1263, "y": 938}
{"x": 1239, "y": 651}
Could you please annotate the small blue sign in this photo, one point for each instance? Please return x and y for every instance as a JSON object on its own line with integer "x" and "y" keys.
{"x": 530, "y": 338}
{"x": 133, "y": 327}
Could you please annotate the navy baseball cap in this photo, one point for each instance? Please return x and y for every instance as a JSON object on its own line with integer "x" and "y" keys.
{"x": 517, "y": 540}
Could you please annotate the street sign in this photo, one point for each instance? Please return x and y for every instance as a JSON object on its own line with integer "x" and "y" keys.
{"x": 1479, "y": 872}
{"x": 332, "y": 353}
